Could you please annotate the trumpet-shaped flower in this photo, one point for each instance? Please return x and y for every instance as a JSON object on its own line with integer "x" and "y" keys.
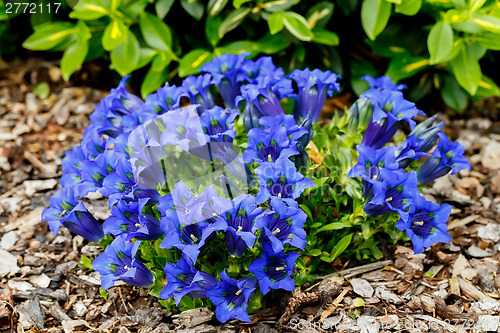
{"x": 198, "y": 89}
{"x": 166, "y": 98}
{"x": 218, "y": 124}
{"x": 383, "y": 82}
{"x": 427, "y": 223}
{"x": 119, "y": 262}
{"x": 65, "y": 209}
{"x": 269, "y": 145}
{"x": 231, "y": 297}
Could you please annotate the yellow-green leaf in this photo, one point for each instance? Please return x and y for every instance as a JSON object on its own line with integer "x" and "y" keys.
{"x": 114, "y": 34}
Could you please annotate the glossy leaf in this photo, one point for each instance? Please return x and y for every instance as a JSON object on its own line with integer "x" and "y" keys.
{"x": 489, "y": 40}
{"x": 406, "y": 66}
{"x": 297, "y": 25}
{"x": 155, "y": 32}
{"x": 114, "y": 35}
{"x": 216, "y": 6}
{"x": 271, "y": 44}
{"x": 212, "y": 30}
{"x": 193, "y": 60}
{"x": 487, "y": 87}
{"x": 163, "y": 7}
{"x": 125, "y": 56}
{"x": 409, "y": 7}
{"x": 374, "y": 16}
{"x": 323, "y": 36}
{"x": 275, "y": 22}
{"x": 152, "y": 81}
{"x": 233, "y": 20}
{"x": 440, "y": 42}
{"x": 274, "y": 6}
{"x": 339, "y": 248}
{"x": 453, "y": 95}
{"x": 319, "y": 14}
{"x": 489, "y": 23}
{"x": 195, "y": 8}
{"x": 89, "y": 10}
{"x": 73, "y": 58}
{"x": 49, "y": 35}
{"x": 465, "y": 67}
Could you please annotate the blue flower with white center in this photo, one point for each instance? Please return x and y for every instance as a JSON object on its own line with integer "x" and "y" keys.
{"x": 427, "y": 223}
{"x": 65, "y": 209}
{"x": 183, "y": 279}
{"x": 281, "y": 180}
{"x": 447, "y": 157}
{"x": 284, "y": 225}
{"x": 240, "y": 218}
{"x": 231, "y": 297}
{"x": 395, "y": 193}
{"x": 383, "y": 82}
{"x": 218, "y": 124}
{"x": 225, "y": 70}
{"x": 269, "y": 146}
{"x": 166, "y": 98}
{"x": 198, "y": 88}
{"x": 314, "y": 86}
{"x": 119, "y": 262}
{"x": 213, "y": 205}
{"x": 274, "y": 270}
{"x": 390, "y": 109}
{"x": 129, "y": 219}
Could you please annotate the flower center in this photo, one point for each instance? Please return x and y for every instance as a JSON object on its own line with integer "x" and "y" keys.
{"x": 279, "y": 228}
{"x": 191, "y": 234}
{"x": 281, "y": 189}
{"x": 421, "y": 224}
{"x": 277, "y": 269}
{"x": 269, "y": 153}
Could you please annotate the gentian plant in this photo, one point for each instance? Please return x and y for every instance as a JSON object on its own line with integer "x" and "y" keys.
{"x": 220, "y": 204}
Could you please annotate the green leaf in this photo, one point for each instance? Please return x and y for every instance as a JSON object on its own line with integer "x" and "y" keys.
{"x": 89, "y": 10}
{"x": 323, "y": 36}
{"x": 360, "y": 68}
{"x": 488, "y": 87}
{"x": 272, "y": 44}
{"x": 489, "y": 40}
{"x": 396, "y": 2}
{"x": 41, "y": 90}
{"x": 297, "y": 25}
{"x": 49, "y": 35}
{"x": 125, "y": 56}
{"x": 440, "y": 42}
{"x": 275, "y": 22}
{"x": 145, "y": 56}
{"x": 152, "y": 81}
{"x": 114, "y": 4}
{"x": 374, "y": 16}
{"x": 85, "y": 262}
{"x": 73, "y": 58}
{"x": 339, "y": 248}
{"x": 238, "y": 47}
{"x": 465, "y": 67}
{"x": 489, "y": 23}
{"x": 358, "y": 302}
{"x": 406, "y": 66}
{"x": 274, "y": 6}
{"x": 114, "y": 35}
{"x": 318, "y": 15}
{"x": 453, "y": 95}
{"x": 155, "y": 32}
{"x": 409, "y": 7}
{"x": 237, "y": 3}
{"x": 194, "y": 8}
{"x": 233, "y": 20}
{"x": 193, "y": 60}
{"x": 475, "y": 4}
{"x": 163, "y": 7}
{"x": 212, "y": 30}
{"x": 216, "y": 6}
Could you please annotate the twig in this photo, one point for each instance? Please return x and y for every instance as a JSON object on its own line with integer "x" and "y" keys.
{"x": 351, "y": 272}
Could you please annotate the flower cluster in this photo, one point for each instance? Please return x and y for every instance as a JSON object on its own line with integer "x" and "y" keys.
{"x": 225, "y": 224}
{"x": 386, "y": 184}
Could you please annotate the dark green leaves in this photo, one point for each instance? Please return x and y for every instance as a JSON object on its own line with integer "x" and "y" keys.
{"x": 338, "y": 249}
{"x": 233, "y": 20}
{"x": 440, "y": 42}
{"x": 125, "y": 56}
{"x": 155, "y": 32}
{"x": 374, "y": 16}
{"x": 297, "y": 25}
{"x": 465, "y": 67}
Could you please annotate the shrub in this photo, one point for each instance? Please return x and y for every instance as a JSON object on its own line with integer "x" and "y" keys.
{"x": 226, "y": 228}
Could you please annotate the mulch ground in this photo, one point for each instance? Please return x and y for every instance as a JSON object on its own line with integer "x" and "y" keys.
{"x": 450, "y": 288}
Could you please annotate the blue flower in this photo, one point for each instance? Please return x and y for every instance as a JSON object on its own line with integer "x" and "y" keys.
{"x": 427, "y": 223}
{"x": 218, "y": 124}
{"x": 261, "y": 96}
{"x": 118, "y": 262}
{"x": 129, "y": 219}
{"x": 383, "y": 82}
{"x": 282, "y": 226}
{"x": 394, "y": 193}
{"x": 225, "y": 70}
{"x": 231, "y": 297}
{"x": 269, "y": 145}
{"x": 72, "y": 167}
{"x": 93, "y": 172}
{"x": 426, "y": 134}
{"x": 93, "y": 143}
{"x": 314, "y": 86}
{"x": 293, "y": 131}
{"x": 65, "y": 209}
{"x": 274, "y": 270}
{"x": 183, "y": 279}
{"x": 240, "y": 220}
{"x": 447, "y": 157}
{"x": 166, "y": 98}
{"x": 390, "y": 109}
{"x": 264, "y": 66}
{"x": 119, "y": 184}
{"x": 281, "y": 180}
{"x": 198, "y": 88}
{"x": 408, "y": 151}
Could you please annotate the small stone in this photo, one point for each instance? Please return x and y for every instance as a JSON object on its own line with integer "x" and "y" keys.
{"x": 20, "y": 285}
{"x": 362, "y": 287}
{"x": 33, "y": 186}
{"x": 148, "y": 317}
{"x": 487, "y": 279}
{"x": 386, "y": 295}
{"x": 32, "y": 261}
{"x": 123, "y": 330}
{"x": 89, "y": 251}
{"x": 42, "y": 281}
{"x": 69, "y": 326}
{"x": 9, "y": 264}
{"x": 454, "y": 248}
{"x": 192, "y": 318}
{"x": 487, "y": 323}
{"x": 65, "y": 267}
{"x": 368, "y": 324}
{"x": 477, "y": 252}
{"x": 490, "y": 305}
{"x": 80, "y": 309}
{"x": 8, "y": 240}
{"x": 490, "y": 155}
{"x": 470, "y": 274}
{"x": 30, "y": 315}
{"x": 490, "y": 232}
{"x": 486, "y": 202}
